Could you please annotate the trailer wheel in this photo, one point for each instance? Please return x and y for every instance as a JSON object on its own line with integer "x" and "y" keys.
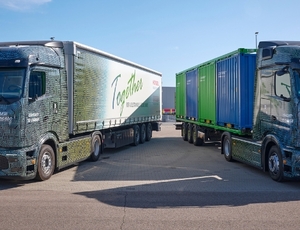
{"x": 136, "y": 135}
{"x": 148, "y": 132}
{"x": 184, "y": 131}
{"x": 96, "y": 148}
{"x": 196, "y": 140}
{"x": 142, "y": 133}
{"x": 46, "y": 163}
{"x": 190, "y": 133}
{"x": 275, "y": 164}
{"x": 226, "y": 148}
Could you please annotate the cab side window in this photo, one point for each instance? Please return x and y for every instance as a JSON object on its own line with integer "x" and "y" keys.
{"x": 283, "y": 85}
{"x": 37, "y": 84}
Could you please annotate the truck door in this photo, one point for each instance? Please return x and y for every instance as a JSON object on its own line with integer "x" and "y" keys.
{"x": 281, "y": 108}
{"x": 263, "y": 119}
{"x": 43, "y": 103}
{"x": 275, "y": 110}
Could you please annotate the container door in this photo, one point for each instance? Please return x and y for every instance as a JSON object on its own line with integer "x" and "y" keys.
{"x": 192, "y": 94}
{"x": 180, "y": 96}
{"x": 235, "y": 76}
{"x": 207, "y": 93}
{"x": 227, "y": 92}
{"x": 246, "y": 71}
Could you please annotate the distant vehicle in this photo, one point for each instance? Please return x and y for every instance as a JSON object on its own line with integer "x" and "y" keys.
{"x": 168, "y": 111}
{"x": 249, "y": 101}
{"x": 62, "y": 102}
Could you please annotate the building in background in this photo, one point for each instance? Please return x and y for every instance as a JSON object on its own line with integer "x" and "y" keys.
{"x": 168, "y": 103}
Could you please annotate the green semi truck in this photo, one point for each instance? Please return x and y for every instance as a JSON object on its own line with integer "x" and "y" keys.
{"x": 62, "y": 102}
{"x": 250, "y": 101}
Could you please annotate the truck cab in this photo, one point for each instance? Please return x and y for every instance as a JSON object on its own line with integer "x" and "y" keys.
{"x": 30, "y": 106}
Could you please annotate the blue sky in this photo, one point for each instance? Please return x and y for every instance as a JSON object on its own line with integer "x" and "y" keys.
{"x": 165, "y": 35}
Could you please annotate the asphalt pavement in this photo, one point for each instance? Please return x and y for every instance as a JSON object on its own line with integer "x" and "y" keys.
{"x": 166, "y": 183}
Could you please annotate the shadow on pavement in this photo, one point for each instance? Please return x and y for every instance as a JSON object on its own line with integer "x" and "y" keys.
{"x": 132, "y": 199}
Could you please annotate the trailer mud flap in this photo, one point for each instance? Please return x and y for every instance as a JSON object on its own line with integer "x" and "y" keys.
{"x": 156, "y": 126}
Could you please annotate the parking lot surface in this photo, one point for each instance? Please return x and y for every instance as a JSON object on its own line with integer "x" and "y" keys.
{"x": 166, "y": 183}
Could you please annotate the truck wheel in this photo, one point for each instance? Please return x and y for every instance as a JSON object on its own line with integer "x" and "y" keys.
{"x": 275, "y": 164}
{"x": 189, "y": 133}
{"x": 196, "y": 140}
{"x": 184, "y": 131}
{"x": 46, "y": 163}
{"x": 96, "y": 148}
{"x": 149, "y": 132}
{"x": 136, "y": 135}
{"x": 142, "y": 133}
{"x": 226, "y": 148}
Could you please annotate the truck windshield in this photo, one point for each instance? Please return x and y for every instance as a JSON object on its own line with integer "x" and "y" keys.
{"x": 11, "y": 85}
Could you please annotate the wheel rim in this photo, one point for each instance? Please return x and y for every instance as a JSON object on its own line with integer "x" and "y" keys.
{"x": 143, "y": 132}
{"x": 194, "y": 134}
{"x": 96, "y": 148}
{"x": 274, "y": 163}
{"x": 46, "y": 163}
{"x": 137, "y": 135}
{"x": 183, "y": 130}
{"x": 149, "y": 130}
{"x": 226, "y": 148}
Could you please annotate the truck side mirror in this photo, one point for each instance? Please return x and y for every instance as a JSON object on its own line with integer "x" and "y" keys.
{"x": 282, "y": 71}
{"x": 267, "y": 53}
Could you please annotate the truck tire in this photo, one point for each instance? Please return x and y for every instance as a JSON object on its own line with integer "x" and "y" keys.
{"x": 190, "y": 133}
{"x": 226, "y": 148}
{"x": 148, "y": 132}
{"x": 275, "y": 165}
{"x": 96, "y": 148}
{"x": 46, "y": 163}
{"x": 196, "y": 140}
{"x": 142, "y": 133}
{"x": 136, "y": 135}
{"x": 184, "y": 131}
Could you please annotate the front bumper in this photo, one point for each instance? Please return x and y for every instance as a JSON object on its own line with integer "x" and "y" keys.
{"x": 291, "y": 163}
{"x": 18, "y": 164}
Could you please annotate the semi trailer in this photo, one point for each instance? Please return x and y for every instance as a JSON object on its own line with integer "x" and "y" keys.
{"x": 249, "y": 100}
{"x": 62, "y": 102}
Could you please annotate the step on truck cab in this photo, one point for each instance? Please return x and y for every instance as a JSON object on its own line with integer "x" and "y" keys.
{"x": 62, "y": 102}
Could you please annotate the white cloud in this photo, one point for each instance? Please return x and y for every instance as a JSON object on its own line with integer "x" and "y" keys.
{"x": 20, "y": 5}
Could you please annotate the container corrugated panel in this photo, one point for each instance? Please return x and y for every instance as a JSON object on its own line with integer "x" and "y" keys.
{"x": 192, "y": 94}
{"x": 207, "y": 93}
{"x": 180, "y": 95}
{"x": 235, "y": 89}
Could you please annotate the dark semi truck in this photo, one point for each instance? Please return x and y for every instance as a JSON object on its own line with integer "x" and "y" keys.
{"x": 249, "y": 100}
{"x": 62, "y": 102}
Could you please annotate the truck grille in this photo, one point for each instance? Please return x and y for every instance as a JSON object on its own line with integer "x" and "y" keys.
{"x": 3, "y": 162}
